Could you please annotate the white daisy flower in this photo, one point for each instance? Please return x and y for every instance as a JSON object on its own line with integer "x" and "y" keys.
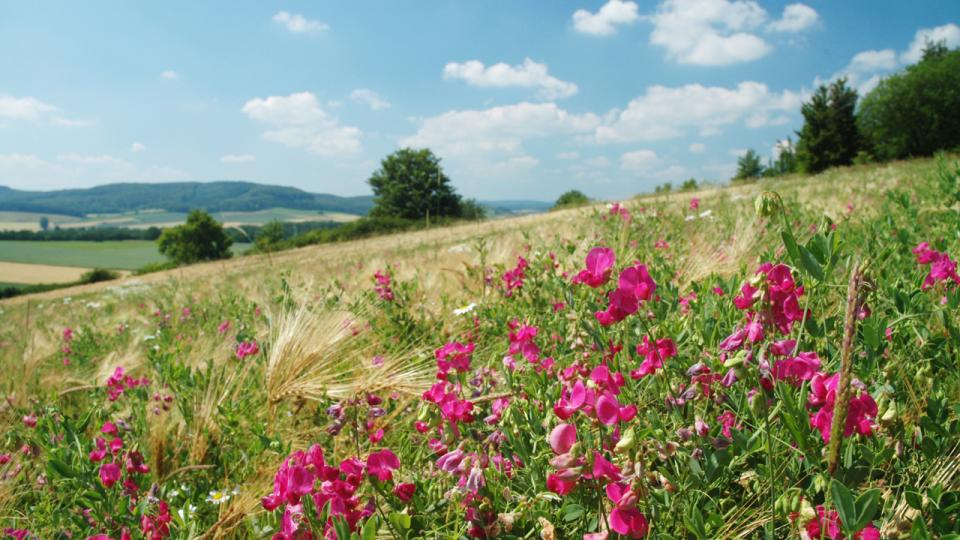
{"x": 465, "y": 309}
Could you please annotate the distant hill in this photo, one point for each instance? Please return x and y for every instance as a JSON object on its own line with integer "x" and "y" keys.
{"x": 225, "y": 196}
{"x": 221, "y": 196}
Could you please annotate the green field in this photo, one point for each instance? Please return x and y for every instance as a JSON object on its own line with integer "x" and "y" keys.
{"x": 120, "y": 255}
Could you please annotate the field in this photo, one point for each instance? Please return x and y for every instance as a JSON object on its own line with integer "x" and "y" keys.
{"x": 62, "y": 262}
{"x": 141, "y": 220}
{"x": 770, "y": 360}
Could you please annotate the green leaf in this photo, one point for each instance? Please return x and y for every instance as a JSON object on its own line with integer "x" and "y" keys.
{"x": 399, "y": 520}
{"x": 843, "y": 501}
{"x": 810, "y": 264}
{"x": 867, "y": 504}
{"x": 791, "y": 244}
{"x": 369, "y": 531}
{"x": 572, "y": 512}
{"x": 914, "y": 499}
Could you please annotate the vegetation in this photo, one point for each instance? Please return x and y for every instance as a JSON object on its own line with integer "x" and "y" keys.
{"x": 177, "y": 197}
{"x": 410, "y": 184}
{"x": 749, "y": 166}
{"x": 84, "y": 234}
{"x": 915, "y": 112}
{"x": 201, "y": 238}
{"x": 829, "y": 137}
{"x": 571, "y": 199}
{"x": 269, "y": 237}
{"x": 779, "y": 366}
{"x": 689, "y": 184}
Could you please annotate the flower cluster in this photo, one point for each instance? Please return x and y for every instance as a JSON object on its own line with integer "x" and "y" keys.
{"x": 119, "y": 382}
{"x": 600, "y": 263}
{"x": 513, "y": 278}
{"x": 382, "y": 286}
{"x": 861, "y": 411}
{"x": 942, "y": 268}
{"x": 634, "y": 287}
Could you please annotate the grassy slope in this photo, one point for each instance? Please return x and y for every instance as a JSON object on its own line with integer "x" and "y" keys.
{"x": 442, "y": 264}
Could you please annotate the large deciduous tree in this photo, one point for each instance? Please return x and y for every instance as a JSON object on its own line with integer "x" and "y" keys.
{"x": 411, "y": 184}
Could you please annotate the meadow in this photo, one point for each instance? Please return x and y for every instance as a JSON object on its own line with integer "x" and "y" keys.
{"x": 771, "y": 360}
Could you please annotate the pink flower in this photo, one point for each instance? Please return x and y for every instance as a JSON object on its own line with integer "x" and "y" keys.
{"x": 513, "y": 279}
{"x": 797, "y": 369}
{"x": 600, "y": 263}
{"x": 608, "y": 410}
{"x": 629, "y": 522}
{"x": 404, "y": 491}
{"x": 560, "y": 486}
{"x": 635, "y": 286}
{"x": 382, "y": 287}
{"x": 381, "y": 464}
{"x": 602, "y": 468}
{"x": 562, "y": 438}
{"x": 30, "y": 420}
{"x": 694, "y": 203}
{"x": 728, "y": 420}
{"x": 224, "y": 326}
{"x": 454, "y": 355}
{"x": 109, "y": 474}
{"x": 247, "y": 348}
{"x": 653, "y": 356}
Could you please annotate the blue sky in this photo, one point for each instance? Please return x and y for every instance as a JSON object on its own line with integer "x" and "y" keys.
{"x": 520, "y": 99}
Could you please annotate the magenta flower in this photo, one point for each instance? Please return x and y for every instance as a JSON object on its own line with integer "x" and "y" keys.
{"x": 635, "y": 286}
{"x": 797, "y": 369}
{"x": 562, "y": 438}
{"x": 654, "y": 355}
{"x": 404, "y": 491}
{"x": 694, "y": 203}
{"x": 109, "y": 474}
{"x": 381, "y": 464}
{"x": 560, "y": 486}
{"x": 247, "y": 348}
{"x": 600, "y": 263}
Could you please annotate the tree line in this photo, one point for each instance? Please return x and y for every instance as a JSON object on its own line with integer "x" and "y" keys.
{"x": 912, "y": 113}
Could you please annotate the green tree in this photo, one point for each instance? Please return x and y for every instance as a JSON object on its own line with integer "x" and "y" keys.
{"x": 571, "y": 198}
{"x": 44, "y": 223}
{"x": 269, "y": 236}
{"x": 915, "y": 112}
{"x": 829, "y": 136}
{"x": 786, "y": 162}
{"x": 748, "y": 166}
{"x": 201, "y": 238}
{"x": 410, "y": 184}
{"x": 689, "y": 185}
{"x": 471, "y": 209}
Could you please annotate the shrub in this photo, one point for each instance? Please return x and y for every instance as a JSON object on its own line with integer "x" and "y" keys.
{"x": 570, "y": 199}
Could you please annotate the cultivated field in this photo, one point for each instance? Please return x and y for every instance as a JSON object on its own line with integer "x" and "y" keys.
{"x": 19, "y": 273}
{"x": 714, "y": 368}
{"x": 28, "y": 221}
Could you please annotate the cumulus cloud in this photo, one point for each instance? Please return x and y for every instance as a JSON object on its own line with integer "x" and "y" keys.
{"x": 948, "y": 33}
{"x": 568, "y": 156}
{"x": 237, "y": 158}
{"x": 605, "y": 21}
{"x": 529, "y": 74}
{"x": 866, "y": 68}
{"x": 298, "y": 24}
{"x": 670, "y": 112}
{"x": 23, "y": 108}
{"x": 502, "y": 130}
{"x": 697, "y": 148}
{"x": 795, "y": 18}
{"x": 639, "y": 160}
{"x": 170, "y": 75}
{"x": 710, "y": 32}
{"x": 365, "y": 96}
{"x": 298, "y": 121}
{"x": 137, "y": 147}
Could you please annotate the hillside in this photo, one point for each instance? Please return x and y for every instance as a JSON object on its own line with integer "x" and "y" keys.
{"x": 487, "y": 362}
{"x": 220, "y": 196}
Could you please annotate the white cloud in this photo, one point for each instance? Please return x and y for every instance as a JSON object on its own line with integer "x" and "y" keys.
{"x": 568, "y": 156}
{"x": 737, "y": 152}
{"x": 237, "y": 158}
{"x": 598, "y": 162}
{"x": 796, "y": 18}
{"x": 170, "y": 75}
{"x": 698, "y": 148}
{"x": 368, "y": 97}
{"x": 949, "y": 33}
{"x": 71, "y": 170}
{"x": 499, "y": 130}
{"x": 710, "y": 32}
{"x": 23, "y": 108}
{"x": 529, "y": 74}
{"x": 299, "y": 122}
{"x": 298, "y": 24}
{"x": 137, "y": 147}
{"x": 639, "y": 160}
{"x": 665, "y": 112}
{"x": 866, "y": 68}
{"x": 605, "y": 21}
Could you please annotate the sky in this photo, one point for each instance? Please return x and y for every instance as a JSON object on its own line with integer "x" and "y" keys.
{"x": 519, "y": 99}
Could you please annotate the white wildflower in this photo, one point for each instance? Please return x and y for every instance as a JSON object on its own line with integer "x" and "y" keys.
{"x": 465, "y": 309}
